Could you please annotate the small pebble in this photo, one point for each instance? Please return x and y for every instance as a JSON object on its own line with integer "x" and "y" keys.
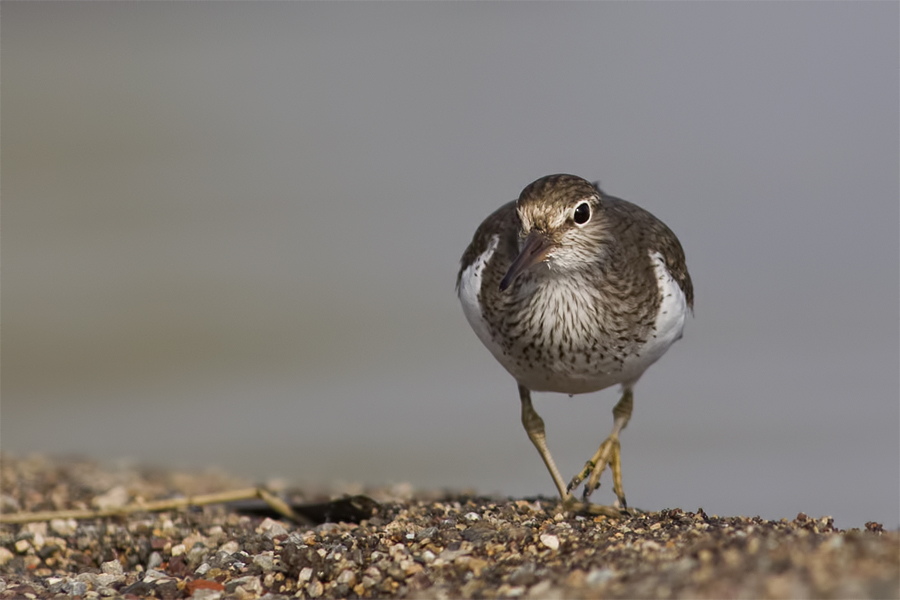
{"x": 347, "y": 577}
{"x": 550, "y": 540}
{"x": 64, "y": 527}
{"x": 373, "y": 575}
{"x": 36, "y": 528}
{"x": 266, "y": 561}
{"x": 107, "y": 579}
{"x": 248, "y": 585}
{"x": 114, "y": 498}
{"x": 37, "y": 541}
{"x": 75, "y": 588}
{"x": 31, "y": 562}
{"x": 315, "y": 589}
{"x": 152, "y": 575}
{"x": 112, "y": 567}
{"x": 273, "y": 528}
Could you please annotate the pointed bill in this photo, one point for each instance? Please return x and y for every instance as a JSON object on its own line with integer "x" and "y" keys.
{"x": 534, "y": 250}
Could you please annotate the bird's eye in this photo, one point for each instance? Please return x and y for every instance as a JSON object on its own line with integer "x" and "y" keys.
{"x": 582, "y": 213}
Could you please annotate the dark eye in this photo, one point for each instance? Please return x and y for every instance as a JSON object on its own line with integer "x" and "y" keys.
{"x": 582, "y": 213}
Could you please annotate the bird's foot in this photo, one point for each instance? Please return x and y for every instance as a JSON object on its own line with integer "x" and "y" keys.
{"x": 614, "y": 511}
{"x": 607, "y": 455}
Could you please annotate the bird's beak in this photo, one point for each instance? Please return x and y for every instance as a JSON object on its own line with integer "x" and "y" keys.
{"x": 534, "y": 250}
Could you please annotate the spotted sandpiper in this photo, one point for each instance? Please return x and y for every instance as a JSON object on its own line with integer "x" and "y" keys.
{"x": 573, "y": 291}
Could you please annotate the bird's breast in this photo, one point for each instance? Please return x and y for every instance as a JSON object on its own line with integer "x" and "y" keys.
{"x": 566, "y": 332}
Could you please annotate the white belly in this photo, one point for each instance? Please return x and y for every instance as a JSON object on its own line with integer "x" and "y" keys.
{"x": 669, "y": 320}
{"x": 469, "y": 287}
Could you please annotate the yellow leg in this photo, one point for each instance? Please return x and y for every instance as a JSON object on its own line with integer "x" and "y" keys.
{"x": 534, "y": 427}
{"x": 607, "y": 455}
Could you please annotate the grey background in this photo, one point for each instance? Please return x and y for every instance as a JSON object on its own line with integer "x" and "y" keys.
{"x": 230, "y": 234}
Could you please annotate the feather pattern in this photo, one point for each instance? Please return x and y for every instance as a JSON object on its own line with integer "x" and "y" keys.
{"x": 608, "y": 300}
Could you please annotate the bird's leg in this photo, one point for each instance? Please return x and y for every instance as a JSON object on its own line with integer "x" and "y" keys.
{"x": 534, "y": 427}
{"x": 608, "y": 454}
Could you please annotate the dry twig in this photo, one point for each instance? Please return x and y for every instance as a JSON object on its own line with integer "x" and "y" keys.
{"x": 275, "y": 503}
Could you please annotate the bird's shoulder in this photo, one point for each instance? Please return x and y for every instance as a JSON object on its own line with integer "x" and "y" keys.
{"x": 503, "y": 223}
{"x": 638, "y": 230}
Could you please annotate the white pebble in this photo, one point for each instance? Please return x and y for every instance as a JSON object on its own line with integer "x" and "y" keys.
{"x": 36, "y": 528}
{"x": 64, "y": 527}
{"x": 114, "y": 498}
{"x": 550, "y": 540}
{"x": 37, "y": 541}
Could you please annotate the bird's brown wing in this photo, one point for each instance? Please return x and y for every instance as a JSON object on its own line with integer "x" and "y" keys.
{"x": 503, "y": 222}
{"x": 641, "y": 231}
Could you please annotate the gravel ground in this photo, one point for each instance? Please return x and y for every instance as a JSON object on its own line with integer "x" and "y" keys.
{"x": 414, "y": 545}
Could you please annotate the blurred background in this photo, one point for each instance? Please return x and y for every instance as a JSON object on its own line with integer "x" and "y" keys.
{"x": 231, "y": 232}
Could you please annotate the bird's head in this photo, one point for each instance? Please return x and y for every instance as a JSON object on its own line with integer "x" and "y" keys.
{"x": 558, "y": 225}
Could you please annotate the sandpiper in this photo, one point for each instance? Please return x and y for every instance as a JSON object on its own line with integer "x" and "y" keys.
{"x": 573, "y": 291}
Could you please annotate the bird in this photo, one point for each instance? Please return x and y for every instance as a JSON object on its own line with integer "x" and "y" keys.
{"x": 574, "y": 291}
